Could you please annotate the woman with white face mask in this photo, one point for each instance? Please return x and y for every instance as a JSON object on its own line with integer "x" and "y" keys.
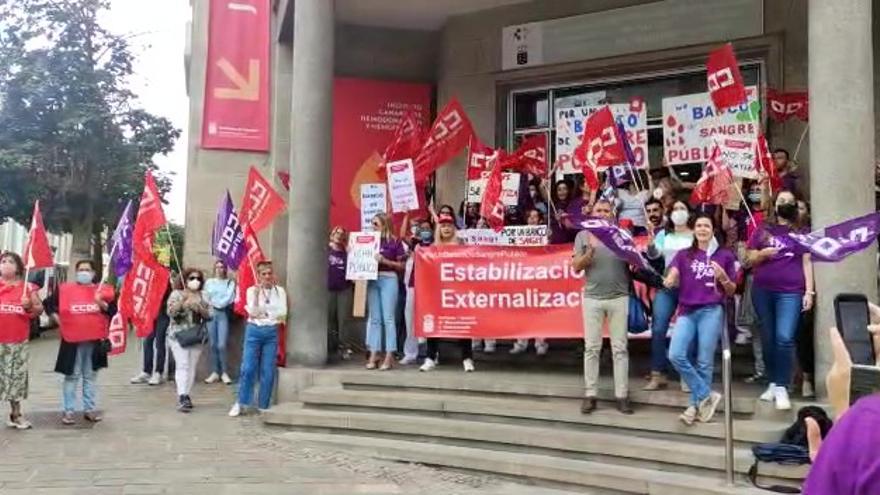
{"x": 677, "y": 236}
{"x": 186, "y": 308}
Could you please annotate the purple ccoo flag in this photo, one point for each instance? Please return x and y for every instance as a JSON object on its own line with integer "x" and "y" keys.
{"x": 120, "y": 250}
{"x": 838, "y": 241}
{"x": 617, "y": 240}
{"x": 227, "y": 240}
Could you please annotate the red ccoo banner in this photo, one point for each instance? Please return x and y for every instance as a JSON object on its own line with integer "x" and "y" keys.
{"x": 497, "y": 292}
{"x": 236, "y": 115}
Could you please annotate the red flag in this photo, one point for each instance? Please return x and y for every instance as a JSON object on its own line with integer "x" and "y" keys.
{"x": 724, "y": 79}
{"x": 766, "y": 165}
{"x": 408, "y": 138}
{"x": 142, "y": 292}
{"x": 715, "y": 182}
{"x": 118, "y": 334}
{"x": 449, "y": 134}
{"x": 531, "y": 156}
{"x": 492, "y": 204}
{"x": 786, "y": 105}
{"x": 150, "y": 218}
{"x": 38, "y": 254}
{"x": 600, "y": 146}
{"x": 247, "y": 268}
{"x": 481, "y": 159}
{"x": 261, "y": 203}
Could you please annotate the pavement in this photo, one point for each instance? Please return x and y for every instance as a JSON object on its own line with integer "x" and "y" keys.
{"x": 144, "y": 446}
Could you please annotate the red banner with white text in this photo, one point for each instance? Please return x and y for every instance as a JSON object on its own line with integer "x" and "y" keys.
{"x": 497, "y": 292}
{"x": 236, "y": 108}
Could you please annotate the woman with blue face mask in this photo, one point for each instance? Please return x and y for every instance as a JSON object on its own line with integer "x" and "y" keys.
{"x": 423, "y": 236}
{"x": 84, "y": 309}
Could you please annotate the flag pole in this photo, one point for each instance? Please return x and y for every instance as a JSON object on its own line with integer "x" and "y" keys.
{"x": 746, "y": 204}
{"x": 109, "y": 266}
{"x": 174, "y": 253}
{"x": 800, "y": 142}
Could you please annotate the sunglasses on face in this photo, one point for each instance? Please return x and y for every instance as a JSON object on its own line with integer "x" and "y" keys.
{"x": 195, "y": 278}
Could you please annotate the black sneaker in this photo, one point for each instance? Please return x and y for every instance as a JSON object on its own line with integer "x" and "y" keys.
{"x": 187, "y": 403}
{"x": 181, "y": 404}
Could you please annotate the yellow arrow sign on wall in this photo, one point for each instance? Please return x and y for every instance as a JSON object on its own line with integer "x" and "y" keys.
{"x": 245, "y": 89}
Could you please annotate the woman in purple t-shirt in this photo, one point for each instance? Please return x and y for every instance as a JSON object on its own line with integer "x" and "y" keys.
{"x": 382, "y": 295}
{"x": 704, "y": 278}
{"x": 341, "y": 297}
{"x": 782, "y": 289}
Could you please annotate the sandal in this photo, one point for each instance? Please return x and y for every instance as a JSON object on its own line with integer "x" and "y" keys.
{"x": 371, "y": 365}
{"x": 18, "y": 422}
{"x": 92, "y": 417}
{"x": 67, "y": 419}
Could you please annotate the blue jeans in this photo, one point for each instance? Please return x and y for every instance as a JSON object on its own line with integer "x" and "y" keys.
{"x": 82, "y": 370}
{"x": 260, "y": 348}
{"x": 665, "y": 303}
{"x": 779, "y": 314}
{"x": 706, "y": 322}
{"x": 382, "y": 295}
{"x": 218, "y": 333}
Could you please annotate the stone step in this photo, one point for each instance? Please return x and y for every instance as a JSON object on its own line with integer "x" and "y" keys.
{"x": 538, "y": 468}
{"x": 546, "y": 411}
{"x": 621, "y": 447}
{"x": 554, "y": 385}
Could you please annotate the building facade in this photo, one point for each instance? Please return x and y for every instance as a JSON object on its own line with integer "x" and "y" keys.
{"x": 513, "y": 64}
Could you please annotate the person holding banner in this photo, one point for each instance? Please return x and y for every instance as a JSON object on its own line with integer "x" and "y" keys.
{"x": 187, "y": 308}
{"x": 19, "y": 304}
{"x": 84, "y": 309}
{"x": 220, "y": 291}
{"x": 704, "y": 278}
{"x": 605, "y": 298}
{"x": 382, "y": 296}
{"x": 666, "y": 244}
{"x": 782, "y": 289}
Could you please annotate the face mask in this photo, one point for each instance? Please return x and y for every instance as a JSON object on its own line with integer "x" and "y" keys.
{"x": 426, "y": 236}
{"x": 83, "y": 277}
{"x": 679, "y": 217}
{"x": 755, "y": 197}
{"x": 658, "y": 194}
{"x": 787, "y": 211}
{"x": 193, "y": 285}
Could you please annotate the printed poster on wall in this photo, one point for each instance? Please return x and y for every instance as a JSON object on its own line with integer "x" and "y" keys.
{"x": 365, "y": 115}
{"x": 402, "y": 185}
{"x": 691, "y": 124}
{"x": 236, "y": 105}
{"x": 362, "y": 263}
{"x": 570, "y": 129}
{"x": 373, "y": 201}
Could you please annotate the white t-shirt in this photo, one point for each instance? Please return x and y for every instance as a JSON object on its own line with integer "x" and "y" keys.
{"x": 269, "y": 304}
{"x": 632, "y": 206}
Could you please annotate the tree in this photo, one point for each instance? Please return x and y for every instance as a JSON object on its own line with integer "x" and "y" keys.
{"x": 168, "y": 244}
{"x": 71, "y": 134}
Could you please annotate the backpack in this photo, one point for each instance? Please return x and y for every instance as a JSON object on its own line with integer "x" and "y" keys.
{"x": 792, "y": 449}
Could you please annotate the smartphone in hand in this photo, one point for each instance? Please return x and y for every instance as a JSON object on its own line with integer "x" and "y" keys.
{"x": 853, "y": 316}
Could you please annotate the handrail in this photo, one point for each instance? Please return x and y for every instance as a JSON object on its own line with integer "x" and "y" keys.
{"x": 726, "y": 383}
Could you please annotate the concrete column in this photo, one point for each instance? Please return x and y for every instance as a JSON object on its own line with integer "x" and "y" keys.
{"x": 841, "y": 85}
{"x": 309, "y": 205}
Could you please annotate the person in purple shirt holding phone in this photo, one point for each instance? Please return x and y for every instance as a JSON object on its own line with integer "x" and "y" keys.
{"x": 382, "y": 295}
{"x": 782, "y": 288}
{"x": 705, "y": 278}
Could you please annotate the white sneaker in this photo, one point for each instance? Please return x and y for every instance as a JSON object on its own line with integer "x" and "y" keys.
{"x": 489, "y": 348}
{"x": 140, "y": 378}
{"x": 708, "y": 406}
{"x": 235, "y": 411}
{"x": 807, "y": 390}
{"x": 225, "y": 379}
{"x": 518, "y": 348}
{"x": 782, "y": 401}
{"x": 212, "y": 378}
{"x": 428, "y": 365}
{"x": 689, "y": 415}
{"x": 468, "y": 365}
{"x": 542, "y": 348}
{"x": 768, "y": 394}
{"x": 156, "y": 379}
{"x": 407, "y": 360}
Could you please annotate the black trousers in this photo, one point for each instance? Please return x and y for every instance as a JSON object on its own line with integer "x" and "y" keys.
{"x": 154, "y": 346}
{"x": 463, "y": 344}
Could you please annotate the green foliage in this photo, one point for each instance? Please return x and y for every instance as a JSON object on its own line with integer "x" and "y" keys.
{"x": 71, "y": 134}
{"x": 165, "y": 247}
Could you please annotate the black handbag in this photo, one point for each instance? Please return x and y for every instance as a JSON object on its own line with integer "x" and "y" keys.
{"x": 196, "y": 334}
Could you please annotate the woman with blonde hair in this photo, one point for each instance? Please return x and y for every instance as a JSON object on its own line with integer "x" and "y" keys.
{"x": 382, "y": 296}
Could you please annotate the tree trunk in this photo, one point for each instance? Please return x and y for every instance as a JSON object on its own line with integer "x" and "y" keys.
{"x": 81, "y": 245}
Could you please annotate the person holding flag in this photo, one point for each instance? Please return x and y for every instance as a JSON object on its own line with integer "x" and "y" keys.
{"x": 84, "y": 309}
{"x": 19, "y": 304}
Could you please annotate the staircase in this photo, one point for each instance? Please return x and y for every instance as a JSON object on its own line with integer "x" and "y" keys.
{"x": 529, "y": 425}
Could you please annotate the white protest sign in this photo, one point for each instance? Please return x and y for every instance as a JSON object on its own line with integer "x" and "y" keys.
{"x": 373, "y": 201}
{"x": 476, "y": 188}
{"x": 362, "y": 249}
{"x": 691, "y": 124}
{"x": 514, "y": 235}
{"x": 510, "y": 188}
{"x": 570, "y": 130}
{"x": 402, "y": 185}
{"x": 740, "y": 156}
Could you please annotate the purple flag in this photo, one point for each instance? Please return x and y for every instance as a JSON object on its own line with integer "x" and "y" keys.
{"x": 627, "y": 149}
{"x": 836, "y": 242}
{"x": 617, "y": 240}
{"x": 227, "y": 240}
{"x": 121, "y": 243}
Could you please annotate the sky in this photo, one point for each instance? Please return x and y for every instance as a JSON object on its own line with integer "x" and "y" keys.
{"x": 159, "y": 29}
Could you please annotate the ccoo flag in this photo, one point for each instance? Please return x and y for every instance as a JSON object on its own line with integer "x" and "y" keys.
{"x": 38, "y": 254}
{"x": 836, "y": 242}
{"x": 227, "y": 241}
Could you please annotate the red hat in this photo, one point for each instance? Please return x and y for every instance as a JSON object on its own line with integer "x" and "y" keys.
{"x": 445, "y": 218}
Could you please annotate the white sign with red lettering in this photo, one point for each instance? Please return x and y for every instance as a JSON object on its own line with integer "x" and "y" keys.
{"x": 402, "y": 186}
{"x": 362, "y": 250}
{"x": 740, "y": 156}
{"x": 374, "y": 200}
{"x": 570, "y": 130}
{"x": 509, "y": 188}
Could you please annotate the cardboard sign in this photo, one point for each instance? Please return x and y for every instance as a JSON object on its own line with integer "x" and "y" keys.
{"x": 740, "y": 156}
{"x": 362, "y": 249}
{"x": 570, "y": 129}
{"x": 691, "y": 124}
{"x": 514, "y": 235}
{"x": 402, "y": 185}
{"x": 374, "y": 200}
